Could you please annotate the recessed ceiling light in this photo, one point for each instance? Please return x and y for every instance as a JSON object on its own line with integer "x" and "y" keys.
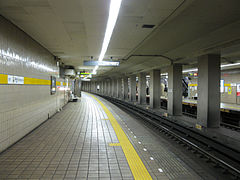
{"x": 148, "y": 26}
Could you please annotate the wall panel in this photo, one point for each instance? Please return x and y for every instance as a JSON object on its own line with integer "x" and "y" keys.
{"x": 24, "y": 107}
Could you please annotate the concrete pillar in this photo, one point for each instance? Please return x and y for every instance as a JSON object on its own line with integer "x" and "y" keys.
{"x": 208, "y": 106}
{"x": 105, "y": 88}
{"x": 132, "y": 88}
{"x": 175, "y": 89}
{"x": 155, "y": 88}
{"x": 114, "y": 88}
{"x": 102, "y": 87}
{"x": 95, "y": 87}
{"x": 125, "y": 88}
{"x": 91, "y": 86}
{"x": 109, "y": 87}
{"x": 142, "y": 88}
{"x": 86, "y": 86}
{"x": 119, "y": 87}
{"x": 82, "y": 87}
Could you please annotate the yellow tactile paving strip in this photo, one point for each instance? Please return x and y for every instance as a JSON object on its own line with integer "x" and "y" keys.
{"x": 136, "y": 165}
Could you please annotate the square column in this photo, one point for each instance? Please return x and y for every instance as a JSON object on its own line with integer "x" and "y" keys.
{"x": 119, "y": 87}
{"x": 132, "y": 88}
{"x": 142, "y": 88}
{"x": 96, "y": 83}
{"x": 155, "y": 88}
{"x": 109, "y": 87}
{"x": 92, "y": 86}
{"x": 101, "y": 87}
{"x": 208, "y": 106}
{"x": 175, "y": 90}
{"x": 125, "y": 88}
{"x": 114, "y": 87}
{"x": 105, "y": 88}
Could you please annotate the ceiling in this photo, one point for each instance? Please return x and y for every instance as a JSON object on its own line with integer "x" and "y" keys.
{"x": 74, "y": 30}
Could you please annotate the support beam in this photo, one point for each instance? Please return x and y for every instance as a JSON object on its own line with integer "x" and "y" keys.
{"x": 142, "y": 88}
{"x": 155, "y": 88}
{"x": 132, "y": 88}
{"x": 208, "y": 106}
{"x": 175, "y": 90}
{"x": 125, "y": 88}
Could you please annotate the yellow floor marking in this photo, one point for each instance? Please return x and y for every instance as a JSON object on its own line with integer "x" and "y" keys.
{"x": 114, "y": 144}
{"x": 105, "y": 119}
{"x": 135, "y": 163}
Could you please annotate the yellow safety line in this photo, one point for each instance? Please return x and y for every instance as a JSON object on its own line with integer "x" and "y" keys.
{"x": 136, "y": 165}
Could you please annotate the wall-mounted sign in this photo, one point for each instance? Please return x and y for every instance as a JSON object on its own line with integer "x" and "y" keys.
{"x": 53, "y": 85}
{"x": 238, "y": 89}
{"x": 221, "y": 85}
{"x": 101, "y": 63}
{"x": 15, "y": 79}
{"x": 85, "y": 73}
{"x": 229, "y": 90}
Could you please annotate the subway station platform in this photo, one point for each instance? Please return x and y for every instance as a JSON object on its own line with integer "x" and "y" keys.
{"x": 93, "y": 139}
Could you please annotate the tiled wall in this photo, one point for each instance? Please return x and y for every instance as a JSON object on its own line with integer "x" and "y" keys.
{"x": 24, "y": 107}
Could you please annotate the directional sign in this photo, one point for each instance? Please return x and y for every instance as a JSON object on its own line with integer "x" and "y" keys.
{"x": 101, "y": 63}
{"x": 85, "y": 73}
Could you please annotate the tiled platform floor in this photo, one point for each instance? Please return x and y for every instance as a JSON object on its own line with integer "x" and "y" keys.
{"x": 74, "y": 144}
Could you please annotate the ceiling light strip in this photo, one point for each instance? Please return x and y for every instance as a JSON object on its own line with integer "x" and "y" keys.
{"x": 112, "y": 19}
{"x": 223, "y": 65}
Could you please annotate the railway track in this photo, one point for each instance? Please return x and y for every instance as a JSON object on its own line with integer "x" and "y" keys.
{"x": 214, "y": 152}
{"x": 223, "y": 124}
{"x": 229, "y": 126}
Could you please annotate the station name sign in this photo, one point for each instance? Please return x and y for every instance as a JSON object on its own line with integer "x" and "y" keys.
{"x": 15, "y": 79}
{"x": 101, "y": 63}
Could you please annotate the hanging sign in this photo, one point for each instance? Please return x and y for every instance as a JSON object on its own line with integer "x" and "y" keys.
{"x": 101, "y": 63}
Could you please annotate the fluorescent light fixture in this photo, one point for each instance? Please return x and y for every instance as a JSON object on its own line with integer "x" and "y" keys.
{"x": 224, "y": 65}
{"x": 190, "y": 70}
{"x": 228, "y": 65}
{"x": 112, "y": 19}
